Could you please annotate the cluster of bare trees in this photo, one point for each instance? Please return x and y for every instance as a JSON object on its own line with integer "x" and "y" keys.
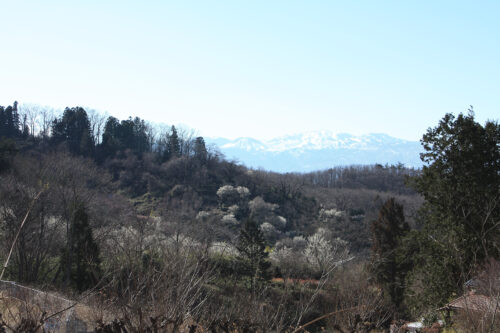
{"x": 388, "y": 178}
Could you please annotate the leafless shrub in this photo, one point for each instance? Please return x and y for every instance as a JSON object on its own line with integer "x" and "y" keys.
{"x": 158, "y": 290}
{"x": 351, "y": 290}
{"x": 479, "y": 310}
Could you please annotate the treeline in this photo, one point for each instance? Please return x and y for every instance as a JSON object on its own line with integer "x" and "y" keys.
{"x": 95, "y": 135}
{"x": 385, "y": 178}
{"x": 134, "y": 151}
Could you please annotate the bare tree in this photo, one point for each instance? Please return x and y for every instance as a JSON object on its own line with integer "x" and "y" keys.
{"x": 160, "y": 290}
{"x": 97, "y": 121}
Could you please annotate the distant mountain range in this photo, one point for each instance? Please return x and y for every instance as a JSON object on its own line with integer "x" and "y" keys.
{"x": 319, "y": 150}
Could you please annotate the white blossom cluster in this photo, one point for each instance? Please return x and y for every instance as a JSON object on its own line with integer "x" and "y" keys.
{"x": 230, "y": 219}
{"x": 318, "y": 252}
{"x": 229, "y": 190}
{"x": 203, "y": 215}
{"x": 243, "y": 192}
{"x": 268, "y": 230}
{"x": 328, "y": 214}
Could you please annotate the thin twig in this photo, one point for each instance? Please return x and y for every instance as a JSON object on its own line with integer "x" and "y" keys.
{"x": 19, "y": 232}
{"x": 300, "y": 328}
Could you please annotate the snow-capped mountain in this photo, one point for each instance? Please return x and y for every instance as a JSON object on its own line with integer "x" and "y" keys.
{"x": 318, "y": 150}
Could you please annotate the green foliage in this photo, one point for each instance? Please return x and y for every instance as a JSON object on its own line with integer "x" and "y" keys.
{"x": 387, "y": 233}
{"x": 253, "y": 255}
{"x": 461, "y": 186}
{"x": 173, "y": 145}
{"x": 435, "y": 277}
{"x": 73, "y": 129}
{"x": 127, "y": 134}
{"x": 9, "y": 121}
{"x": 80, "y": 260}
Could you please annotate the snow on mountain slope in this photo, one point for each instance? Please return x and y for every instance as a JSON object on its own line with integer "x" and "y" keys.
{"x": 318, "y": 150}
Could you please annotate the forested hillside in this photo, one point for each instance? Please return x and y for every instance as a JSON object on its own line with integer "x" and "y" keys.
{"x": 150, "y": 218}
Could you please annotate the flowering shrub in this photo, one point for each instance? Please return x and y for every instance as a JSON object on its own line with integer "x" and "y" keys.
{"x": 229, "y": 219}
{"x": 323, "y": 253}
{"x": 326, "y": 215}
{"x": 268, "y": 230}
{"x": 230, "y": 195}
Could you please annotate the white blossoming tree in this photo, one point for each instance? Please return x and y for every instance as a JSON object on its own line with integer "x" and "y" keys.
{"x": 323, "y": 253}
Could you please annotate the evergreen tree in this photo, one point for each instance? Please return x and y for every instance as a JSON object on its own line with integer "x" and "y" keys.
{"x": 73, "y": 128}
{"x": 253, "y": 255}
{"x": 200, "y": 150}
{"x": 173, "y": 144}
{"x": 9, "y": 121}
{"x": 127, "y": 134}
{"x": 461, "y": 187}
{"x": 80, "y": 259}
{"x": 110, "y": 141}
{"x": 387, "y": 233}
{"x": 141, "y": 141}
{"x": 3, "y": 122}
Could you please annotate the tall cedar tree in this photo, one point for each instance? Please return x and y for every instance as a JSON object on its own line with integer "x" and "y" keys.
{"x": 173, "y": 144}
{"x": 80, "y": 260}
{"x": 73, "y": 129}
{"x": 461, "y": 187}
{"x": 387, "y": 233}
{"x": 9, "y": 121}
{"x": 200, "y": 150}
{"x": 253, "y": 255}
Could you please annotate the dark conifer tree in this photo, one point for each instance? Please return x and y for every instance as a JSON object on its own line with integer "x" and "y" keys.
{"x": 141, "y": 141}
{"x": 127, "y": 134}
{"x": 110, "y": 140}
{"x": 460, "y": 183}
{"x": 3, "y": 122}
{"x": 173, "y": 144}
{"x": 200, "y": 150}
{"x": 73, "y": 129}
{"x": 9, "y": 122}
{"x": 253, "y": 255}
{"x": 80, "y": 259}
{"x": 387, "y": 233}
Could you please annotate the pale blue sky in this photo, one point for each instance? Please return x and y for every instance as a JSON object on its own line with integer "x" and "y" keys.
{"x": 257, "y": 68}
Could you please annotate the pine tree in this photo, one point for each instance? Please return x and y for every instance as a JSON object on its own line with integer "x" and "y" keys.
{"x": 9, "y": 121}
{"x": 173, "y": 144}
{"x": 253, "y": 255}
{"x": 73, "y": 128}
{"x": 80, "y": 259}
{"x": 387, "y": 233}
